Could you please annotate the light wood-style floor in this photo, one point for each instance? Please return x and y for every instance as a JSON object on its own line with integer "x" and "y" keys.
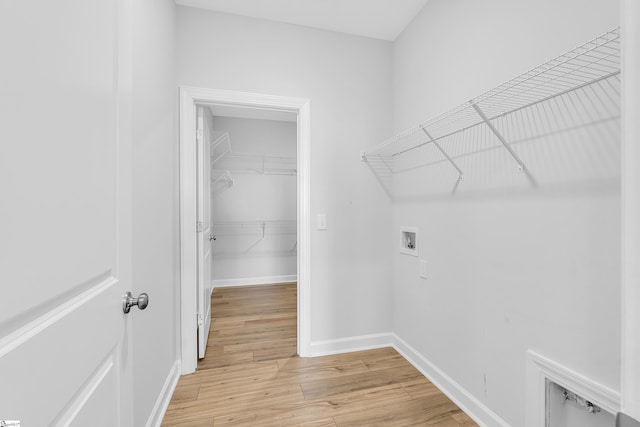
{"x": 252, "y": 377}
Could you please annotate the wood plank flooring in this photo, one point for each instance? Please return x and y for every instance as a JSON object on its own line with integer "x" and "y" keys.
{"x": 252, "y": 377}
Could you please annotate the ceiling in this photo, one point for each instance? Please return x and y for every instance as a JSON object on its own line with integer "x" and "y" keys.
{"x": 379, "y": 19}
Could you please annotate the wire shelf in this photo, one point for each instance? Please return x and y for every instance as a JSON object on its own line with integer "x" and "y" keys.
{"x": 259, "y": 227}
{"x": 273, "y": 237}
{"x": 578, "y": 89}
{"x": 257, "y": 163}
{"x": 220, "y": 146}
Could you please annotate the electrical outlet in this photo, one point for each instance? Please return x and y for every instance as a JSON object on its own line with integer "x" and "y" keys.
{"x": 423, "y": 268}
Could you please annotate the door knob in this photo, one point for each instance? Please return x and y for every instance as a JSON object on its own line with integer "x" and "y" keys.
{"x": 129, "y": 301}
{"x": 212, "y": 237}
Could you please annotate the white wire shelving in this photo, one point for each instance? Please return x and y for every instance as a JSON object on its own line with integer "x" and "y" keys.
{"x": 256, "y": 227}
{"x": 220, "y": 181}
{"x": 258, "y": 163}
{"x": 578, "y": 89}
{"x": 220, "y": 146}
{"x": 257, "y": 231}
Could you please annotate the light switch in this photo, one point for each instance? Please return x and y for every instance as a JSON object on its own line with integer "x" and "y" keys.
{"x": 322, "y": 221}
{"x": 423, "y": 268}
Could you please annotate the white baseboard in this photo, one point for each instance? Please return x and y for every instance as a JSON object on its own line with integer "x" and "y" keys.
{"x": 250, "y": 281}
{"x": 461, "y": 397}
{"x": 162, "y": 403}
{"x": 350, "y": 344}
{"x": 479, "y": 412}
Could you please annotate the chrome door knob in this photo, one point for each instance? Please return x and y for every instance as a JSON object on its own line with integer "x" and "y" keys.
{"x": 129, "y": 301}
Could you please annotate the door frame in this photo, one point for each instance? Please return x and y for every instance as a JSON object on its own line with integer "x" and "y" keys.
{"x": 189, "y": 97}
{"x": 630, "y": 357}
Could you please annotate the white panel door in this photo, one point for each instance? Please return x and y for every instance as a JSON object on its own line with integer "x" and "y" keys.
{"x": 65, "y": 212}
{"x": 205, "y": 237}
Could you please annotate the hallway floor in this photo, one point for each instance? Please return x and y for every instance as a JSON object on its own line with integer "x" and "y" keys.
{"x": 252, "y": 377}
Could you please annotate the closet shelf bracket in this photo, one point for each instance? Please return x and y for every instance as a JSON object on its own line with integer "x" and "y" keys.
{"x": 499, "y": 136}
{"x": 444, "y": 153}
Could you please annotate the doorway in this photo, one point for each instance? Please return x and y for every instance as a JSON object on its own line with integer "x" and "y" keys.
{"x": 251, "y": 106}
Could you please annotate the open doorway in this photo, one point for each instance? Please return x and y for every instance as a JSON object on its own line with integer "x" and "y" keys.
{"x": 247, "y": 105}
{"x": 247, "y": 252}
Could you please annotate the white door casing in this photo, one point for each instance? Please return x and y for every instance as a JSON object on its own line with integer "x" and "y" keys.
{"x": 189, "y": 98}
{"x": 205, "y": 262}
{"x": 65, "y": 216}
{"x": 630, "y": 363}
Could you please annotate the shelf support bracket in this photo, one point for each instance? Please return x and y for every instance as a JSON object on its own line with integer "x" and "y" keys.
{"x": 499, "y": 136}
{"x": 433, "y": 140}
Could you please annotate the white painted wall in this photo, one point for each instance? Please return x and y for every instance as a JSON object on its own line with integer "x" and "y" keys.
{"x": 155, "y": 201}
{"x": 240, "y": 253}
{"x": 347, "y": 79}
{"x": 509, "y": 269}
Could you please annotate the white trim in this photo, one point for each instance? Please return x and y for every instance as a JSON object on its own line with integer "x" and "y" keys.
{"x": 164, "y": 398}
{"x": 189, "y": 96}
{"x": 304, "y": 229}
{"x": 458, "y": 394}
{"x": 44, "y": 321}
{"x": 86, "y": 392}
{"x": 351, "y": 344}
{"x": 252, "y": 281}
{"x": 188, "y": 217}
{"x": 540, "y": 369}
{"x": 475, "y": 409}
{"x": 630, "y": 355}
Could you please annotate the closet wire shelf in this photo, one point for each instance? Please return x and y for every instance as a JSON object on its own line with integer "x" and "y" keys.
{"x": 220, "y": 146}
{"x": 258, "y": 227}
{"x": 577, "y": 88}
{"x": 258, "y": 163}
{"x": 258, "y": 231}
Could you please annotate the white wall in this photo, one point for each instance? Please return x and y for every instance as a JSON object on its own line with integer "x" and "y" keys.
{"x": 347, "y": 80}
{"x": 241, "y": 253}
{"x": 515, "y": 268}
{"x": 155, "y": 201}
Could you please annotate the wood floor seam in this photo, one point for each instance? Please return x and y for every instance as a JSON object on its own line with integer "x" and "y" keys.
{"x": 251, "y": 375}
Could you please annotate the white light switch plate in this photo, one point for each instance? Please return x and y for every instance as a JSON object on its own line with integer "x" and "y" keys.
{"x": 423, "y": 268}
{"x": 322, "y": 221}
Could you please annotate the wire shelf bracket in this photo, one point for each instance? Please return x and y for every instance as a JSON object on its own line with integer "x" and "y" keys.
{"x": 444, "y": 153}
{"x": 498, "y": 135}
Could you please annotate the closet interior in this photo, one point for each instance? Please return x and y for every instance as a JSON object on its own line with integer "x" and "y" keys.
{"x": 253, "y": 199}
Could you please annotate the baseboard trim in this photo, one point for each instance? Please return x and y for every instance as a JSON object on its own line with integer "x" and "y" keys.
{"x": 350, "y": 344}
{"x": 162, "y": 403}
{"x": 480, "y": 413}
{"x": 475, "y": 409}
{"x": 251, "y": 281}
